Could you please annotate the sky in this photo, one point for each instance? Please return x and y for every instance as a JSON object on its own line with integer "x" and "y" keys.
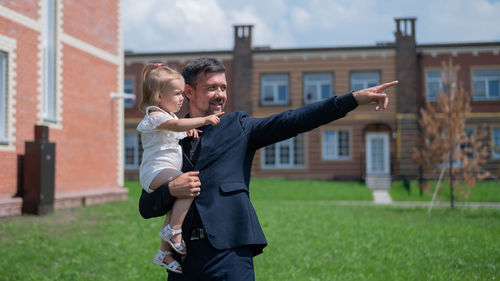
{"x": 201, "y": 25}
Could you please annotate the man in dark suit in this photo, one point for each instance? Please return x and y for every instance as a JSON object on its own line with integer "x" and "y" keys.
{"x": 221, "y": 229}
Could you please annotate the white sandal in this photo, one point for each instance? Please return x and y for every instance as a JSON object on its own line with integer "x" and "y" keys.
{"x": 160, "y": 256}
{"x": 167, "y": 233}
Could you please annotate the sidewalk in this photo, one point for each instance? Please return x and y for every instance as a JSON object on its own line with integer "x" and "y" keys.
{"x": 423, "y": 204}
{"x": 382, "y": 197}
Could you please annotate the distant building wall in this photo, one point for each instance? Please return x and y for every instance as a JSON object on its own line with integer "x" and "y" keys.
{"x": 283, "y": 74}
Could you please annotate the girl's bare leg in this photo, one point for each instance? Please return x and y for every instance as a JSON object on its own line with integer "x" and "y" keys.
{"x": 165, "y": 176}
{"x": 181, "y": 206}
{"x": 179, "y": 211}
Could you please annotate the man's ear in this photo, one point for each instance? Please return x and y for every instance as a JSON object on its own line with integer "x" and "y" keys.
{"x": 188, "y": 91}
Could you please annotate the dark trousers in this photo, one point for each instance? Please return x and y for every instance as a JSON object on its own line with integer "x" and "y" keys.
{"x": 205, "y": 263}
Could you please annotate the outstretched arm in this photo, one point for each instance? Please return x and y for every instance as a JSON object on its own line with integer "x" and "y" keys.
{"x": 287, "y": 124}
{"x": 181, "y": 125}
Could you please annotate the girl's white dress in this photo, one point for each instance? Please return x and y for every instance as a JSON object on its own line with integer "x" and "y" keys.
{"x": 161, "y": 147}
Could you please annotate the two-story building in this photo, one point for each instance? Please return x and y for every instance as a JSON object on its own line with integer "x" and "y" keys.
{"x": 368, "y": 145}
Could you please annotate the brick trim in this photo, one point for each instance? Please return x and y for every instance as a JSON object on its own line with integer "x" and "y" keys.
{"x": 11, "y": 206}
{"x": 120, "y": 112}
{"x": 88, "y": 48}
{"x": 89, "y": 197}
{"x": 9, "y": 45}
{"x": 20, "y": 19}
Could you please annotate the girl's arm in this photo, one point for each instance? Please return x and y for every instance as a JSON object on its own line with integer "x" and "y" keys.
{"x": 181, "y": 125}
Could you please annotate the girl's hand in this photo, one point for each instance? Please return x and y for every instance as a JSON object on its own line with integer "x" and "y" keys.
{"x": 194, "y": 133}
{"x": 213, "y": 119}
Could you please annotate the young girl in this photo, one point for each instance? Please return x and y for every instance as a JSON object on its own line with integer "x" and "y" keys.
{"x": 161, "y": 130}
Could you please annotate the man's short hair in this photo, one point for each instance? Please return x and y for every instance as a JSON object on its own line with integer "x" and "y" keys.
{"x": 201, "y": 65}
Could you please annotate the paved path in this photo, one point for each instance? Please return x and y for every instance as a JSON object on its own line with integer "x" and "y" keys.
{"x": 381, "y": 196}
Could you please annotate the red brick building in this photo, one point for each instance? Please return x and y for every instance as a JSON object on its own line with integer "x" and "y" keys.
{"x": 368, "y": 145}
{"x": 60, "y": 61}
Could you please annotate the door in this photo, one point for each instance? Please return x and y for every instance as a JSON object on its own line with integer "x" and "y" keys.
{"x": 377, "y": 153}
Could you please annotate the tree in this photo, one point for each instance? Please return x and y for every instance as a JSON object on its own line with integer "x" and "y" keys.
{"x": 443, "y": 142}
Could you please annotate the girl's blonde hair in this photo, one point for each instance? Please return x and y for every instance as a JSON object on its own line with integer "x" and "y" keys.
{"x": 155, "y": 78}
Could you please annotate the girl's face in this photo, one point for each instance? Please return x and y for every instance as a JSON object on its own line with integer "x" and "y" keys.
{"x": 171, "y": 99}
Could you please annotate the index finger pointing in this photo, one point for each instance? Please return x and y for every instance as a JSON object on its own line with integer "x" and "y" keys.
{"x": 387, "y": 85}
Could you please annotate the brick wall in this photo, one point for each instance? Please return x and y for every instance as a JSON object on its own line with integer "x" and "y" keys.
{"x": 88, "y": 143}
{"x": 358, "y": 122}
{"x": 26, "y": 78}
{"x": 95, "y": 22}
{"x": 87, "y": 134}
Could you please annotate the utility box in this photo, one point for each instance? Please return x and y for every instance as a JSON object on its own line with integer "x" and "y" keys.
{"x": 39, "y": 174}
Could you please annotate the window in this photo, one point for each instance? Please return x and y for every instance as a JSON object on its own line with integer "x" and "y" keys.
{"x": 317, "y": 86}
{"x": 133, "y": 151}
{"x": 434, "y": 83}
{"x": 49, "y": 60}
{"x": 364, "y": 79}
{"x": 287, "y": 154}
{"x": 486, "y": 84}
{"x": 335, "y": 145}
{"x": 496, "y": 143}
{"x": 3, "y": 97}
{"x": 274, "y": 89}
{"x": 128, "y": 88}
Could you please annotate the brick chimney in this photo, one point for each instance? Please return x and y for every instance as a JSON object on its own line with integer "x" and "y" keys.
{"x": 406, "y": 65}
{"x": 242, "y": 68}
{"x": 407, "y": 95}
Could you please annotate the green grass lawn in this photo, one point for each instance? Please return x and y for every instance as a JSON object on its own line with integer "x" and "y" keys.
{"x": 485, "y": 191}
{"x": 309, "y": 239}
{"x": 308, "y": 190}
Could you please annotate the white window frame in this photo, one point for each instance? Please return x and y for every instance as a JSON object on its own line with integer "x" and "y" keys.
{"x": 495, "y": 153}
{"x": 274, "y": 81}
{"x": 290, "y": 144}
{"x": 49, "y": 43}
{"x": 364, "y": 82}
{"x": 7, "y": 138}
{"x": 485, "y": 80}
{"x": 330, "y": 148}
{"x": 128, "y": 103}
{"x": 317, "y": 80}
{"x": 137, "y": 151}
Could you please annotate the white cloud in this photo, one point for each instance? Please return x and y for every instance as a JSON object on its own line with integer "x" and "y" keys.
{"x": 179, "y": 25}
{"x": 301, "y": 18}
{"x": 265, "y": 32}
{"x": 159, "y": 25}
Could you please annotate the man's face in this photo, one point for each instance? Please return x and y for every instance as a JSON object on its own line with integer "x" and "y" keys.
{"x": 208, "y": 96}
